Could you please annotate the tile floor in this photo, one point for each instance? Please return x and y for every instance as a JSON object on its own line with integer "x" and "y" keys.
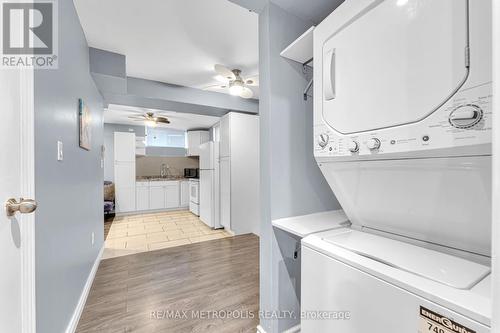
{"x": 153, "y": 231}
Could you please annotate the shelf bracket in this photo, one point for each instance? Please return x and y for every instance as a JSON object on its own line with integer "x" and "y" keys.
{"x": 307, "y": 89}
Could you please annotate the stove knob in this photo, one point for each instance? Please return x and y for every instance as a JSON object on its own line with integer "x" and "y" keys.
{"x": 323, "y": 140}
{"x": 353, "y": 147}
{"x": 373, "y": 144}
{"x": 465, "y": 116}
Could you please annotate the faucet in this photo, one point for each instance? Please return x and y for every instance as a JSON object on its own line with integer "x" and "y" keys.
{"x": 164, "y": 170}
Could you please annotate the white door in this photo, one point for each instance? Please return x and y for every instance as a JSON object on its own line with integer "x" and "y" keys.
{"x": 156, "y": 197}
{"x": 16, "y": 181}
{"x": 125, "y": 186}
{"x": 124, "y": 147}
{"x": 207, "y": 156}
{"x": 142, "y": 198}
{"x": 381, "y": 62}
{"x": 225, "y": 192}
{"x": 172, "y": 195}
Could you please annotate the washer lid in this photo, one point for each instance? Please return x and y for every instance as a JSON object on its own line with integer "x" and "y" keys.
{"x": 394, "y": 64}
{"x": 443, "y": 268}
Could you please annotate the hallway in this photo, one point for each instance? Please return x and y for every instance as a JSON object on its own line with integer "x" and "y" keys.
{"x": 135, "y": 293}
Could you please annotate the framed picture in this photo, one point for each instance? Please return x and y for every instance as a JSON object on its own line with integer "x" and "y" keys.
{"x": 85, "y": 125}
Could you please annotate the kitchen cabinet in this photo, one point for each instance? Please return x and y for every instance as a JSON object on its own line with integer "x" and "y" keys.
{"x": 124, "y": 171}
{"x": 225, "y": 136}
{"x": 225, "y": 192}
{"x": 140, "y": 146}
{"x": 184, "y": 193}
{"x": 156, "y": 197}
{"x": 194, "y": 140}
{"x": 124, "y": 147}
{"x": 142, "y": 196}
{"x": 172, "y": 195}
{"x": 163, "y": 194}
{"x": 239, "y": 173}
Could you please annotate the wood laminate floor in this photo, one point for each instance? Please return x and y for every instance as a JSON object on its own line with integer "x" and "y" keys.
{"x": 197, "y": 287}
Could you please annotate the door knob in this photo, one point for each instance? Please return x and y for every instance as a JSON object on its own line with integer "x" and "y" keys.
{"x": 24, "y": 206}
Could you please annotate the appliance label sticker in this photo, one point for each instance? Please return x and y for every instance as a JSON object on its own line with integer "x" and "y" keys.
{"x": 432, "y": 322}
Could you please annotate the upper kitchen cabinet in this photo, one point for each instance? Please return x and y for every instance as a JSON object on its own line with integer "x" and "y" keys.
{"x": 124, "y": 147}
{"x": 194, "y": 140}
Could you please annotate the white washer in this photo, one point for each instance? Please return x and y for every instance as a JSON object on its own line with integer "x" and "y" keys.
{"x": 402, "y": 125}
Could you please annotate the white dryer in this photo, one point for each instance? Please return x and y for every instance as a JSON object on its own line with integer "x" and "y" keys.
{"x": 402, "y": 125}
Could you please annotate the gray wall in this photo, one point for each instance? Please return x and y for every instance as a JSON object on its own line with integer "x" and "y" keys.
{"x": 69, "y": 193}
{"x": 291, "y": 183}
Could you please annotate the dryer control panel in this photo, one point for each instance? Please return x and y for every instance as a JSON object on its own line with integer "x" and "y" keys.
{"x": 464, "y": 120}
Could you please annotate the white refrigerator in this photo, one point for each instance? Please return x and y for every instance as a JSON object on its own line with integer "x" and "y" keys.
{"x": 209, "y": 184}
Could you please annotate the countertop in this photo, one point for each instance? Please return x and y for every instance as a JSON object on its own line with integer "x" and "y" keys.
{"x": 158, "y": 178}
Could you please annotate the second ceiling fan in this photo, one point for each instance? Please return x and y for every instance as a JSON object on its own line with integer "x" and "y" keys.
{"x": 234, "y": 82}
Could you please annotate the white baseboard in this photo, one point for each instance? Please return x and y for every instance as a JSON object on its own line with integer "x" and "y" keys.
{"x": 295, "y": 329}
{"x": 73, "y": 323}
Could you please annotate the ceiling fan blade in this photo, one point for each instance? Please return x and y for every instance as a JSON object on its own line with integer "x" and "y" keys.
{"x": 246, "y": 93}
{"x": 252, "y": 81}
{"x": 137, "y": 117}
{"x": 224, "y": 72}
{"x": 217, "y": 88}
{"x": 162, "y": 120}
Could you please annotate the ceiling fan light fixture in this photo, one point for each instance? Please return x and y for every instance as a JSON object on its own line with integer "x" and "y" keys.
{"x": 236, "y": 88}
{"x": 150, "y": 123}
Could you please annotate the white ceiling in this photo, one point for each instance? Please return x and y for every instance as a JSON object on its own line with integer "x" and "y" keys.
{"x": 174, "y": 41}
{"x": 119, "y": 114}
{"x": 312, "y": 10}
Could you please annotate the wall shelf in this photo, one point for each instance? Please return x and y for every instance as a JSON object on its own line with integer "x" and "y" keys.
{"x": 301, "y": 49}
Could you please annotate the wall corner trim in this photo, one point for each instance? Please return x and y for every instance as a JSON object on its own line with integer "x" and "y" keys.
{"x": 75, "y": 318}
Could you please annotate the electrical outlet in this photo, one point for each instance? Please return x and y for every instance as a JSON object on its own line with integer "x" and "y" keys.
{"x": 93, "y": 238}
{"x": 60, "y": 154}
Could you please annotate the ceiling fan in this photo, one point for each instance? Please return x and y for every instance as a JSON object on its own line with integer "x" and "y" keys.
{"x": 151, "y": 119}
{"x": 232, "y": 81}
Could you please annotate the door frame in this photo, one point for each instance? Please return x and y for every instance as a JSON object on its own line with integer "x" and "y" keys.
{"x": 495, "y": 320}
{"x": 27, "y": 181}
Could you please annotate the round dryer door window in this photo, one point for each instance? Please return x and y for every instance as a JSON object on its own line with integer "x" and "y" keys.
{"x": 395, "y": 64}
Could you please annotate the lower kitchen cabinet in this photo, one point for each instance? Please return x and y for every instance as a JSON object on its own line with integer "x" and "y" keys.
{"x": 184, "y": 193}
{"x": 142, "y": 197}
{"x": 157, "y": 197}
{"x": 172, "y": 199}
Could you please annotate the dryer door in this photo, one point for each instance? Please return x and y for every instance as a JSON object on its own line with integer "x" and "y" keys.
{"x": 395, "y": 64}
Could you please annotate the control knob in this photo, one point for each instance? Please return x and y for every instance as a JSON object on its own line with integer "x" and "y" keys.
{"x": 323, "y": 140}
{"x": 373, "y": 144}
{"x": 465, "y": 116}
{"x": 353, "y": 147}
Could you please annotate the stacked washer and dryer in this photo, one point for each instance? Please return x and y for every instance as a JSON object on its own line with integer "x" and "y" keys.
{"x": 402, "y": 125}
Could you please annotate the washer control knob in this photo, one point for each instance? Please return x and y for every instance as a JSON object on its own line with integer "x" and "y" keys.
{"x": 323, "y": 140}
{"x": 373, "y": 144}
{"x": 465, "y": 116}
{"x": 353, "y": 147}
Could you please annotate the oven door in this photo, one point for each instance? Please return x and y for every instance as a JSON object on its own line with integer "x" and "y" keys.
{"x": 194, "y": 189}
